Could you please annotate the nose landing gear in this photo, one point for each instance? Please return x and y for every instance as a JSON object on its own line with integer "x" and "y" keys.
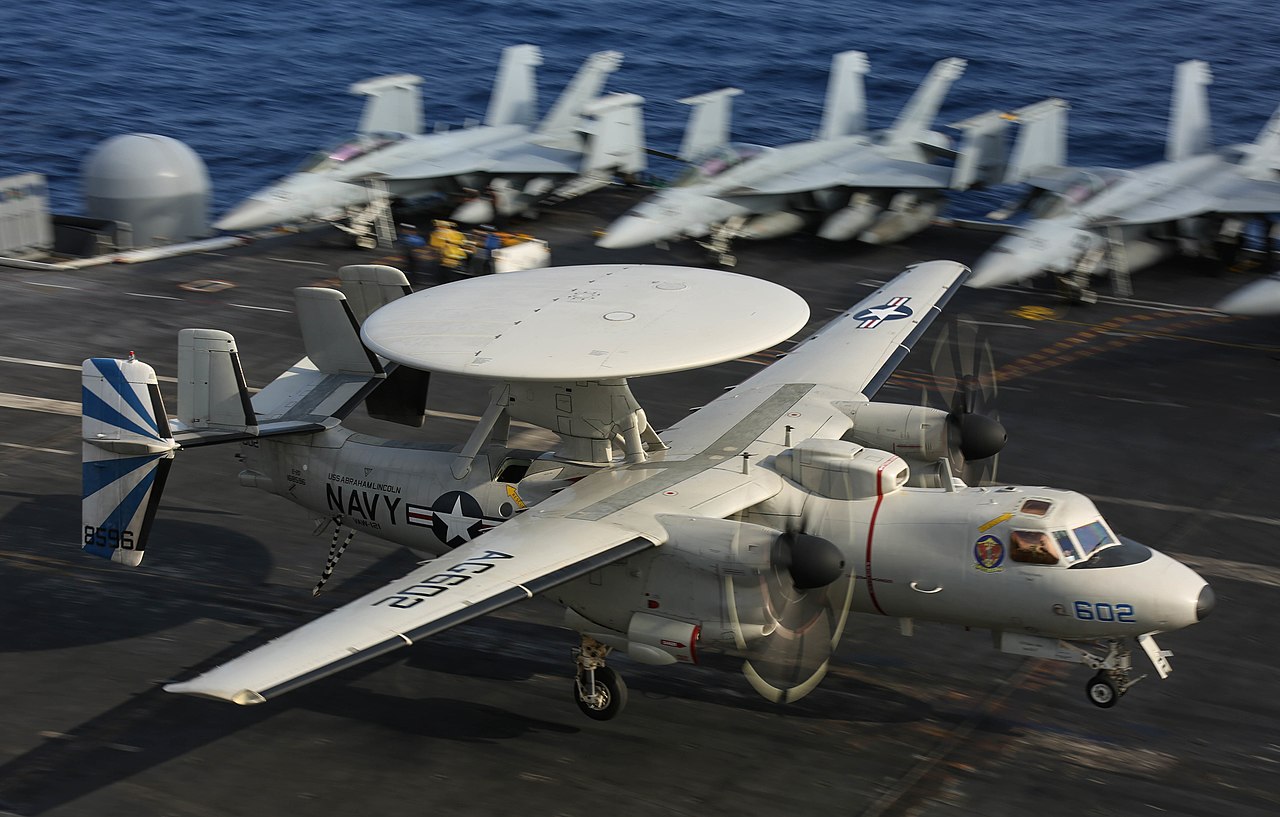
{"x": 599, "y": 692}
{"x": 1114, "y": 677}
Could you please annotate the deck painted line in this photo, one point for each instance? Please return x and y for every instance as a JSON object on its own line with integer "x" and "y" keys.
{"x": 38, "y": 448}
{"x": 41, "y": 404}
{"x": 158, "y": 297}
{"x": 46, "y": 364}
{"x": 262, "y": 308}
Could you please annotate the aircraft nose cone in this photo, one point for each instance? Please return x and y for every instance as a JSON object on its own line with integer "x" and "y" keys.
{"x": 632, "y": 231}
{"x": 1205, "y": 603}
{"x": 998, "y": 268}
{"x": 1259, "y": 298}
{"x": 251, "y": 215}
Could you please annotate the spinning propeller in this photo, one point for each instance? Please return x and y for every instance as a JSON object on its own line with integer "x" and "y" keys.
{"x": 804, "y": 593}
{"x": 964, "y": 377}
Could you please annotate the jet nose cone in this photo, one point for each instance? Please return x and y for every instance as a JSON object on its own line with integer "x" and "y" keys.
{"x": 632, "y": 231}
{"x": 1259, "y": 298}
{"x": 998, "y": 268}
{"x": 252, "y": 214}
{"x": 1205, "y": 603}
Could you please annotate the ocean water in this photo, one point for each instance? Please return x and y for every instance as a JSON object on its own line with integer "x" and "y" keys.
{"x": 254, "y": 87}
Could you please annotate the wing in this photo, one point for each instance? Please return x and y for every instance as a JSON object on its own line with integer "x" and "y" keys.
{"x": 474, "y": 161}
{"x": 1227, "y": 193}
{"x": 858, "y": 350}
{"x": 857, "y": 171}
{"x": 525, "y": 556}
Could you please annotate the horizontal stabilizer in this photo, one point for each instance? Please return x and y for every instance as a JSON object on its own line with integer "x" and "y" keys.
{"x": 125, "y": 456}
{"x": 394, "y": 106}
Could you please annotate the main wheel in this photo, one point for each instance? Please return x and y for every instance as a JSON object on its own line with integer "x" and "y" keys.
{"x": 610, "y": 695}
{"x": 1101, "y": 691}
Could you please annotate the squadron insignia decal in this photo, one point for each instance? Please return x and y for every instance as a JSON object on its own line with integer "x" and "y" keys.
{"x": 988, "y": 554}
{"x": 893, "y": 310}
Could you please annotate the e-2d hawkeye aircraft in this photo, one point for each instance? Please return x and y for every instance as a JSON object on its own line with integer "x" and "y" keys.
{"x": 1088, "y": 221}
{"x": 754, "y": 526}
{"x": 878, "y": 187}
{"x": 582, "y": 142}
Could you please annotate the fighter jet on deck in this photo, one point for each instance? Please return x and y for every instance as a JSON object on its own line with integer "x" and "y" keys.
{"x": 1095, "y": 221}
{"x": 518, "y": 161}
{"x": 878, "y": 187}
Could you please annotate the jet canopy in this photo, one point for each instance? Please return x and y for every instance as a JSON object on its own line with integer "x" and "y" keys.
{"x": 353, "y": 148}
{"x": 717, "y": 161}
{"x": 1081, "y": 187}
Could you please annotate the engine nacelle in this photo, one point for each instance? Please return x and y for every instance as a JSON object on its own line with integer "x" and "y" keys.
{"x": 916, "y": 433}
{"x": 721, "y": 546}
{"x": 837, "y": 469}
{"x": 650, "y": 639}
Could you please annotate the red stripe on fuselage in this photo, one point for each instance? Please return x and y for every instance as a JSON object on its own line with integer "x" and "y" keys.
{"x": 871, "y": 529}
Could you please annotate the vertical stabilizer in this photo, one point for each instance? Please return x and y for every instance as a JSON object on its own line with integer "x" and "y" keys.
{"x": 616, "y": 138}
{"x": 1265, "y": 158}
{"x": 709, "y": 122}
{"x": 984, "y": 154}
{"x": 126, "y": 452}
{"x": 916, "y": 120}
{"x": 369, "y": 287}
{"x": 515, "y": 92}
{"x": 1189, "y": 128}
{"x": 846, "y": 110}
{"x": 212, "y": 393}
{"x": 394, "y": 106}
{"x": 583, "y": 89}
{"x": 1042, "y": 139}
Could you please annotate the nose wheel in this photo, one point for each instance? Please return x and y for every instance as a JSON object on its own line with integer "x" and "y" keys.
{"x": 1102, "y": 691}
{"x": 599, "y": 692}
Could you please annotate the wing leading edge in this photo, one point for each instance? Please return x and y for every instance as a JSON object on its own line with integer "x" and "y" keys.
{"x": 511, "y": 563}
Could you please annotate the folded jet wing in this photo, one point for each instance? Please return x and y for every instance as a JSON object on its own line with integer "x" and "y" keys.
{"x": 618, "y": 511}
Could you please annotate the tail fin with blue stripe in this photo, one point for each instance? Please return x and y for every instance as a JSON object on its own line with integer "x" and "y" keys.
{"x": 127, "y": 450}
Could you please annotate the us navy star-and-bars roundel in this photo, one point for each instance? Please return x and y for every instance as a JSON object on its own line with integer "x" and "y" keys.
{"x": 894, "y": 309}
{"x": 455, "y": 518}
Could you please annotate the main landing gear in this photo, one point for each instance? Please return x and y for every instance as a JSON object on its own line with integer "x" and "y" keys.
{"x": 599, "y": 691}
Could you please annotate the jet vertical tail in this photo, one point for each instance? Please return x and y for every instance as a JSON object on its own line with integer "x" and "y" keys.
{"x": 1265, "y": 158}
{"x": 984, "y": 153}
{"x": 616, "y": 135}
{"x": 846, "y": 108}
{"x": 1042, "y": 139}
{"x": 395, "y": 104}
{"x": 515, "y": 92}
{"x": 709, "y": 122}
{"x": 126, "y": 452}
{"x": 916, "y": 120}
{"x": 1189, "y": 128}
{"x": 565, "y": 116}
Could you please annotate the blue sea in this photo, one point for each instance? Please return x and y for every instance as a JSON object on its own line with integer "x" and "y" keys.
{"x": 254, "y": 87}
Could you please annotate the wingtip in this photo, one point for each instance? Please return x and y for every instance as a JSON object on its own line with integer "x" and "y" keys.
{"x": 244, "y": 697}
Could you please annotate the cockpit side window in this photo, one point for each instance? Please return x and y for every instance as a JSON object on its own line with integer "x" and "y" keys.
{"x": 1068, "y": 547}
{"x": 1035, "y": 547}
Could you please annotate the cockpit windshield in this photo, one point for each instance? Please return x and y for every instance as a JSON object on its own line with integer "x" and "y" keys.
{"x": 717, "y": 161}
{"x": 353, "y": 148}
{"x": 1093, "y": 536}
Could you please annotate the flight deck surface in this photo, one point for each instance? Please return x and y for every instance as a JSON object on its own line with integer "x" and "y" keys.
{"x": 1161, "y": 411}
